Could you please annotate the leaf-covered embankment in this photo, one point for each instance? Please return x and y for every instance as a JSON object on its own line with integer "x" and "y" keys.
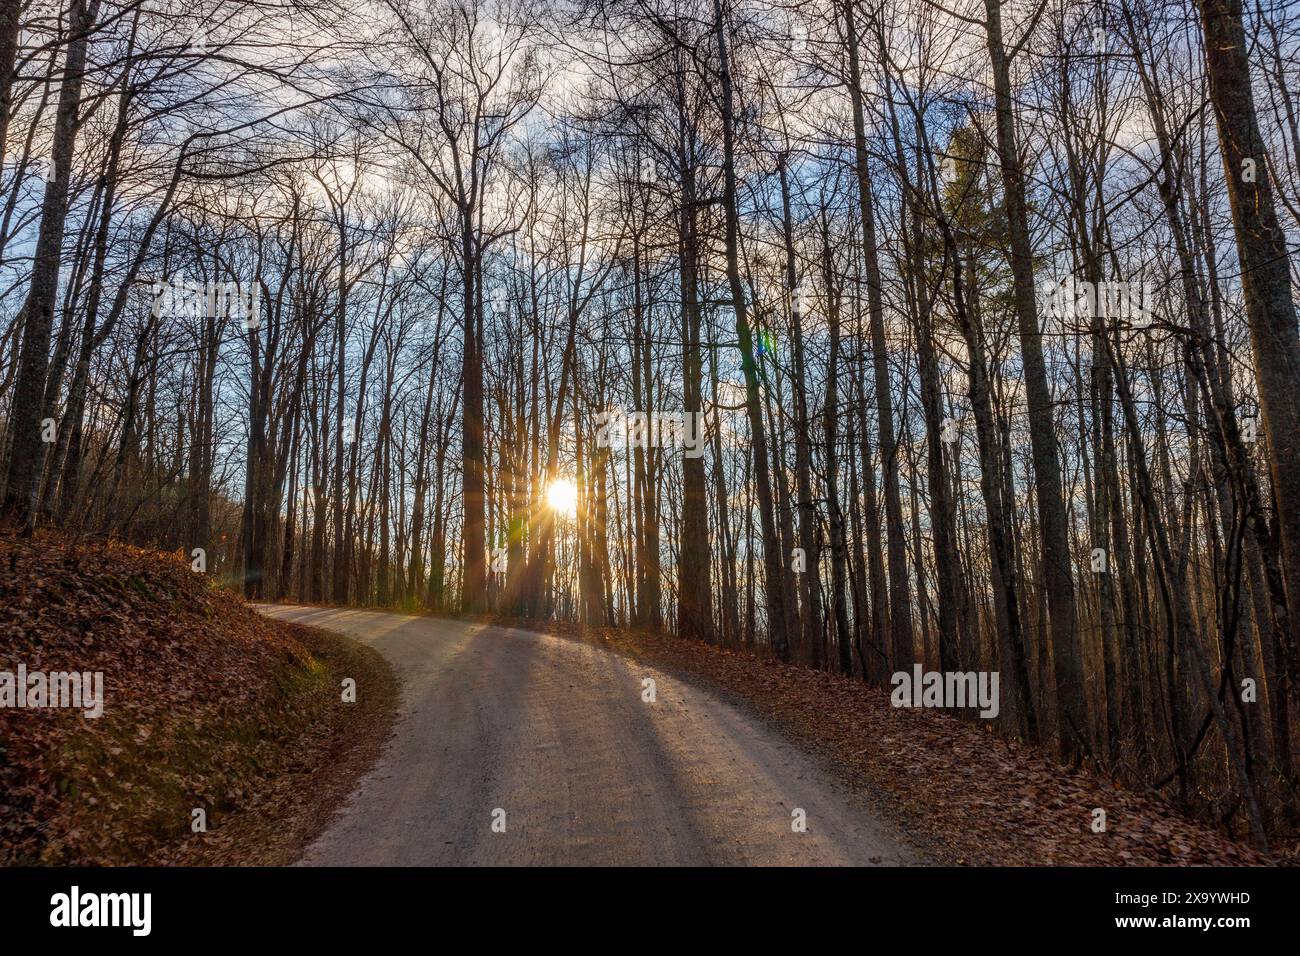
{"x": 207, "y": 706}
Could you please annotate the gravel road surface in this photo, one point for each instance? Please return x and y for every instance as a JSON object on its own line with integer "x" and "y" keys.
{"x": 517, "y": 748}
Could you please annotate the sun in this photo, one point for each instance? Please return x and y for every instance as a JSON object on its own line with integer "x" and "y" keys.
{"x": 562, "y": 496}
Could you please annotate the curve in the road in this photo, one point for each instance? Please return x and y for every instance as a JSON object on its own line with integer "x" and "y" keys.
{"x": 514, "y": 747}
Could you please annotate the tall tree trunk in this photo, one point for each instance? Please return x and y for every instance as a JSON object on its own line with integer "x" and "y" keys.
{"x": 830, "y": 414}
{"x": 1071, "y": 707}
{"x": 10, "y": 21}
{"x": 26, "y": 453}
{"x": 810, "y": 587}
{"x": 900, "y": 600}
{"x": 474, "y": 533}
{"x": 1265, "y": 272}
{"x": 694, "y": 587}
{"x": 773, "y": 569}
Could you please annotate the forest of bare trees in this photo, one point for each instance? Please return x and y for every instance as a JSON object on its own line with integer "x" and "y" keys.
{"x": 860, "y": 333}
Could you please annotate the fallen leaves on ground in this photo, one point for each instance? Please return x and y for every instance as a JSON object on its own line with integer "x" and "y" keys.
{"x": 208, "y": 705}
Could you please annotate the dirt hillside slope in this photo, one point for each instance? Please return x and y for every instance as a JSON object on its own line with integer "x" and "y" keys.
{"x": 206, "y": 706}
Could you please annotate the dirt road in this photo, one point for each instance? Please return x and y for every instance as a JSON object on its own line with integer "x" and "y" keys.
{"x": 515, "y": 748}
